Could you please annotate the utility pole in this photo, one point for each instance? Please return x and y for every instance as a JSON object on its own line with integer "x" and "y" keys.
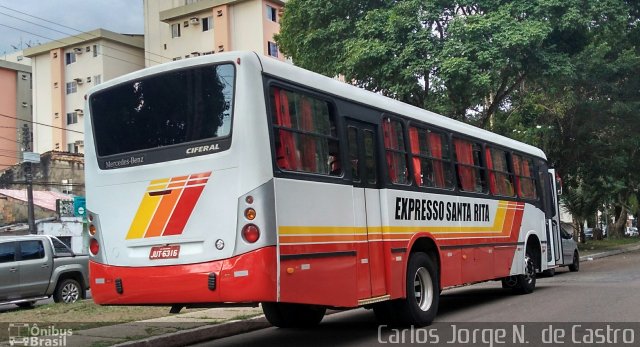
{"x": 27, "y": 160}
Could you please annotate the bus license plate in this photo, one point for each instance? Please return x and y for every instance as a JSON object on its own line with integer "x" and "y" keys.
{"x": 164, "y": 252}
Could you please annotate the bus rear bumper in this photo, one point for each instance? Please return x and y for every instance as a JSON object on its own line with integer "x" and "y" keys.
{"x": 250, "y": 277}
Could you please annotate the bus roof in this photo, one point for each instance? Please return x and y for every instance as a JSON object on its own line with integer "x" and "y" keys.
{"x": 343, "y": 90}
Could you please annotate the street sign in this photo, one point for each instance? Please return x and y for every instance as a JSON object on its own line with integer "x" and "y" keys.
{"x": 79, "y": 206}
{"x": 30, "y": 157}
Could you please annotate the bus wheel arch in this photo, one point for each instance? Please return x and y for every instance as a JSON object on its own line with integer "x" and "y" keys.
{"x": 525, "y": 283}
{"x": 426, "y": 244}
{"x": 422, "y": 284}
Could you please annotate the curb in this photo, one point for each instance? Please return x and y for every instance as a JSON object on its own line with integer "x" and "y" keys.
{"x": 609, "y": 253}
{"x": 201, "y": 334}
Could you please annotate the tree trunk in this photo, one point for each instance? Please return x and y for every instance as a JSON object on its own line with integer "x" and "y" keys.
{"x": 618, "y": 226}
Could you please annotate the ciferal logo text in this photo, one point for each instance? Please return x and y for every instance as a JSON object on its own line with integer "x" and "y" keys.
{"x": 206, "y": 148}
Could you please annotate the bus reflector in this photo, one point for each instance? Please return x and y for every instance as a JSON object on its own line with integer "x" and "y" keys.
{"x": 249, "y": 199}
{"x": 250, "y": 214}
{"x": 250, "y": 233}
{"x": 94, "y": 247}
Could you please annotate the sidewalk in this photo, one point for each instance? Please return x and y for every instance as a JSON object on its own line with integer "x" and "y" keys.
{"x": 193, "y": 327}
{"x": 622, "y": 249}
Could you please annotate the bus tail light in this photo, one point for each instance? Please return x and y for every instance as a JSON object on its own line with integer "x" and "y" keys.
{"x": 94, "y": 247}
{"x": 250, "y": 214}
{"x": 92, "y": 229}
{"x": 250, "y": 233}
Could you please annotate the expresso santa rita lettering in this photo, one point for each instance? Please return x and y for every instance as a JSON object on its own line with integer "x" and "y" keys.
{"x": 437, "y": 210}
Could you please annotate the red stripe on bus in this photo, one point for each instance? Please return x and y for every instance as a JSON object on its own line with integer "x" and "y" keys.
{"x": 183, "y": 210}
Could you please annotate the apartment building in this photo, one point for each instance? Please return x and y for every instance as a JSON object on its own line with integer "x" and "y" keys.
{"x": 15, "y": 110}
{"x": 179, "y": 29}
{"x": 63, "y": 70}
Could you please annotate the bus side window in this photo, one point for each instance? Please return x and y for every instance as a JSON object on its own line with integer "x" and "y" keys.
{"x": 286, "y": 155}
{"x": 469, "y": 166}
{"x": 431, "y": 160}
{"x": 304, "y": 133}
{"x": 395, "y": 151}
{"x": 525, "y": 179}
{"x": 500, "y": 175}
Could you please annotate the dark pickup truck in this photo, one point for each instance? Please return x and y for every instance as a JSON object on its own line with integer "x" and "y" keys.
{"x": 36, "y": 267}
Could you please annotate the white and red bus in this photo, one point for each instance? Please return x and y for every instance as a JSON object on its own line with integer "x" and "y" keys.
{"x": 236, "y": 179}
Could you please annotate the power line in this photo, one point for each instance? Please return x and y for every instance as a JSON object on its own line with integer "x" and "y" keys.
{"x": 44, "y": 184}
{"x": 65, "y": 43}
{"x": 68, "y": 27}
{"x": 38, "y": 123}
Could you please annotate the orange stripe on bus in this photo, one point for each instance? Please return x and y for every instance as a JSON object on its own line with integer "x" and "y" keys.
{"x": 162, "y": 213}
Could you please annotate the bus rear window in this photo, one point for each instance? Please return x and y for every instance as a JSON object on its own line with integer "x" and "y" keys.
{"x": 165, "y": 109}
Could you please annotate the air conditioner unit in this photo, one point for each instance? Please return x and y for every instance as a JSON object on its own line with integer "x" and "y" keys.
{"x": 78, "y": 80}
{"x": 194, "y": 21}
{"x": 79, "y": 143}
{"x": 77, "y": 50}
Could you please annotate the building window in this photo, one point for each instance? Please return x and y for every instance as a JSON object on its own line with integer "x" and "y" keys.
{"x": 272, "y": 14}
{"x": 69, "y": 58}
{"x": 72, "y": 118}
{"x": 273, "y": 49}
{"x": 96, "y": 49}
{"x": 207, "y": 23}
{"x": 97, "y": 79}
{"x": 72, "y": 87}
{"x": 175, "y": 30}
{"x": 305, "y": 132}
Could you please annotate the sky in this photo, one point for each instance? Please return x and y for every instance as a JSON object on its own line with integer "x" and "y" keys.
{"x": 121, "y": 16}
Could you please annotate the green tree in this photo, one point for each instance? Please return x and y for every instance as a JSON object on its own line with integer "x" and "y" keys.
{"x": 460, "y": 58}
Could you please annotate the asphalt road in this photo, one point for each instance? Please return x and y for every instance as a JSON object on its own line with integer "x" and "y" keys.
{"x": 605, "y": 290}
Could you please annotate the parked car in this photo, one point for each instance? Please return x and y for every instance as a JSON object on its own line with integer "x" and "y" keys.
{"x": 35, "y": 267}
{"x": 588, "y": 233}
{"x": 631, "y": 231}
{"x": 570, "y": 255}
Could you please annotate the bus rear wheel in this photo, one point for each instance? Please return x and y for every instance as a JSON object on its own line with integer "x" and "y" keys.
{"x": 526, "y": 282}
{"x": 286, "y": 315}
{"x": 423, "y": 292}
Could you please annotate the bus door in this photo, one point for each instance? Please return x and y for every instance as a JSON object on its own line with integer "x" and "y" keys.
{"x": 554, "y": 242}
{"x": 363, "y": 167}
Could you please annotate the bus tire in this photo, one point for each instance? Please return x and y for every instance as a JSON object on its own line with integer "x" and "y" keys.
{"x": 286, "y": 315}
{"x": 575, "y": 266}
{"x": 509, "y": 282}
{"x": 526, "y": 282}
{"x": 549, "y": 272}
{"x": 420, "y": 305}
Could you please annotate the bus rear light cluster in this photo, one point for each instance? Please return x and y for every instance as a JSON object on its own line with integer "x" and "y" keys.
{"x": 92, "y": 230}
{"x": 250, "y": 233}
{"x": 94, "y": 247}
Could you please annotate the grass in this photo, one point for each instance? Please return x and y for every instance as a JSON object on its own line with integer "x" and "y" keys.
{"x": 596, "y": 246}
